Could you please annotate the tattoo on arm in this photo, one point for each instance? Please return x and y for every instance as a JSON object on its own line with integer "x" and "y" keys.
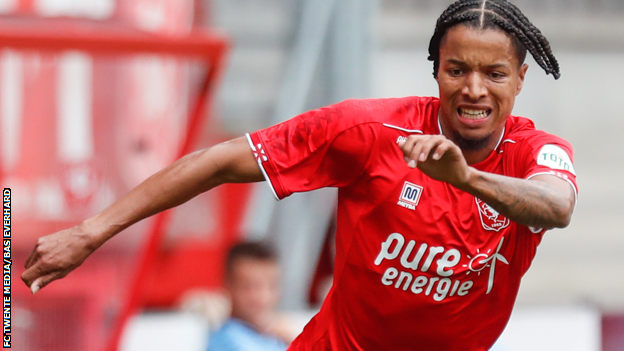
{"x": 545, "y": 201}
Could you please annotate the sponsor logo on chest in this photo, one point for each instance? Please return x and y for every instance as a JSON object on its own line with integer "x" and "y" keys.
{"x": 410, "y": 195}
{"x": 436, "y": 271}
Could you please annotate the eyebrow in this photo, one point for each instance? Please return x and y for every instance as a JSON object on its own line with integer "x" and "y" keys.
{"x": 462, "y": 63}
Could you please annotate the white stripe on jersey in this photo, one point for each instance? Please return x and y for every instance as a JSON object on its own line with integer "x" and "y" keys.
{"x": 403, "y": 129}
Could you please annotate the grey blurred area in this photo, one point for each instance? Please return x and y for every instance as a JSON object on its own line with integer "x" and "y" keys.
{"x": 290, "y": 56}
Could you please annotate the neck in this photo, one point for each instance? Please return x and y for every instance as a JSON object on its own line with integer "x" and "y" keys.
{"x": 474, "y": 151}
{"x": 473, "y": 157}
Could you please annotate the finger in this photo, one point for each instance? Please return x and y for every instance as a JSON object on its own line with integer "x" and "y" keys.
{"x": 414, "y": 155}
{"x": 422, "y": 151}
{"x": 27, "y": 276}
{"x": 30, "y": 275}
{"x": 41, "y": 282}
{"x": 407, "y": 145}
{"x": 413, "y": 151}
{"x": 31, "y": 258}
{"x": 428, "y": 147}
{"x": 440, "y": 151}
{"x": 36, "y": 285}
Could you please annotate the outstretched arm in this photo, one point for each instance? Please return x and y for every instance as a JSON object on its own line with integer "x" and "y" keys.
{"x": 55, "y": 255}
{"x": 544, "y": 201}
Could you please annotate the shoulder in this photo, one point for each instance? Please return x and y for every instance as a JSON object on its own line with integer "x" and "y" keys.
{"x": 236, "y": 335}
{"x": 393, "y": 104}
{"x": 522, "y": 132}
{"x": 322, "y": 125}
{"x": 228, "y": 330}
{"x": 412, "y": 113}
{"x": 232, "y": 329}
{"x": 387, "y": 109}
{"x": 353, "y": 121}
{"x": 537, "y": 148}
{"x": 231, "y": 336}
{"x": 331, "y": 120}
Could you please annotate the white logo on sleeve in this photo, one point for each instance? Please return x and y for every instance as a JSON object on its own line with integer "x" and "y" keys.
{"x": 555, "y": 157}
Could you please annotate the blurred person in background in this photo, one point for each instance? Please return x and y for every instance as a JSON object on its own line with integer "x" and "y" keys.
{"x": 253, "y": 286}
{"x": 245, "y": 316}
{"x": 442, "y": 201}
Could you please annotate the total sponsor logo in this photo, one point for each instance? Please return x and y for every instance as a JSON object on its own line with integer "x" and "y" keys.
{"x": 555, "y": 157}
{"x": 411, "y": 263}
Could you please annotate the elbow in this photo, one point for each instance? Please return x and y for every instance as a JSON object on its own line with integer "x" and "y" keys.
{"x": 553, "y": 222}
{"x": 562, "y": 209}
{"x": 563, "y": 216}
{"x": 563, "y": 221}
{"x": 558, "y": 200}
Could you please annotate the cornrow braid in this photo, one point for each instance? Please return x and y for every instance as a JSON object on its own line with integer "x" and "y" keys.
{"x": 500, "y": 14}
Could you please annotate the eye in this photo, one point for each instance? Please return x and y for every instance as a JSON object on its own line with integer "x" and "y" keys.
{"x": 497, "y": 75}
{"x": 455, "y": 72}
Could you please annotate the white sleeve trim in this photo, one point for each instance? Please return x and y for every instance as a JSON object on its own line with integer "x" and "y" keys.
{"x": 259, "y": 159}
{"x": 567, "y": 180}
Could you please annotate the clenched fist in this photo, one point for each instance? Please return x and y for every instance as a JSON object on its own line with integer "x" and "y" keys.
{"x": 438, "y": 157}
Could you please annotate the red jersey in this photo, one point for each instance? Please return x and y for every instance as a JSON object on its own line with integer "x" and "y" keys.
{"x": 420, "y": 265}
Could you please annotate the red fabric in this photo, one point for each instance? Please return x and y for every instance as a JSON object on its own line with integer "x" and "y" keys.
{"x": 420, "y": 265}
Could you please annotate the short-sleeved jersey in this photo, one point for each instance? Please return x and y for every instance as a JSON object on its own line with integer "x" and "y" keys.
{"x": 420, "y": 265}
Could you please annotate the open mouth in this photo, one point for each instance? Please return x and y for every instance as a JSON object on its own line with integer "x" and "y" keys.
{"x": 473, "y": 114}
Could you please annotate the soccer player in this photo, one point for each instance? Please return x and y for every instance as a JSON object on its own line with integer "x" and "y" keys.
{"x": 442, "y": 201}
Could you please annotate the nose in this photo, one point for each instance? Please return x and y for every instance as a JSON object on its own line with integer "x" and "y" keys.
{"x": 475, "y": 87}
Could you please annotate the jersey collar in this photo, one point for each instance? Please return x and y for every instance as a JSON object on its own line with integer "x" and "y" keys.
{"x": 495, "y": 147}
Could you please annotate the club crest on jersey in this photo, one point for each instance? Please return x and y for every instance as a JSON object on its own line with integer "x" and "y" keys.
{"x": 410, "y": 195}
{"x": 490, "y": 218}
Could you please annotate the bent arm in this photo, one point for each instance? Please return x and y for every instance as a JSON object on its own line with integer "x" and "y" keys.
{"x": 544, "y": 201}
{"x": 57, "y": 254}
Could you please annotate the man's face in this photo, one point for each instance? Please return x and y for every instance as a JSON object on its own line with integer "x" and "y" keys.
{"x": 479, "y": 78}
{"x": 254, "y": 287}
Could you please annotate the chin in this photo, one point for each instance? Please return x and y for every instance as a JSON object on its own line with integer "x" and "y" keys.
{"x": 471, "y": 143}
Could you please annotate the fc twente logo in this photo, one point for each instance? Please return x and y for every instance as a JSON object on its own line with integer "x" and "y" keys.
{"x": 490, "y": 218}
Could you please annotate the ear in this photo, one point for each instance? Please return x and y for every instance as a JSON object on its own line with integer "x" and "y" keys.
{"x": 521, "y": 73}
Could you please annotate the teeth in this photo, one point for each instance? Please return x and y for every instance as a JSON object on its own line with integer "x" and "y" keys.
{"x": 473, "y": 114}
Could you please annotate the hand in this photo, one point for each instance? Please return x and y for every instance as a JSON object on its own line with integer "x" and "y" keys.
{"x": 437, "y": 157}
{"x": 214, "y": 307}
{"x": 55, "y": 256}
{"x": 285, "y": 328}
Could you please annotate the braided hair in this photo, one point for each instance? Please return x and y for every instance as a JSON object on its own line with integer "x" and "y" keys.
{"x": 501, "y": 14}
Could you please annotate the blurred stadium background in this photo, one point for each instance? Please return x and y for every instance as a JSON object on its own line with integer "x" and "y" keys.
{"x": 156, "y": 78}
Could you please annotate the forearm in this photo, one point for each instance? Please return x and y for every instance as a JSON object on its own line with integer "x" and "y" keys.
{"x": 169, "y": 187}
{"x": 184, "y": 179}
{"x": 57, "y": 254}
{"x": 533, "y": 203}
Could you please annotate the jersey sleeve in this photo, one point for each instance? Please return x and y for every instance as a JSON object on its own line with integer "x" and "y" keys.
{"x": 327, "y": 147}
{"x": 546, "y": 154}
